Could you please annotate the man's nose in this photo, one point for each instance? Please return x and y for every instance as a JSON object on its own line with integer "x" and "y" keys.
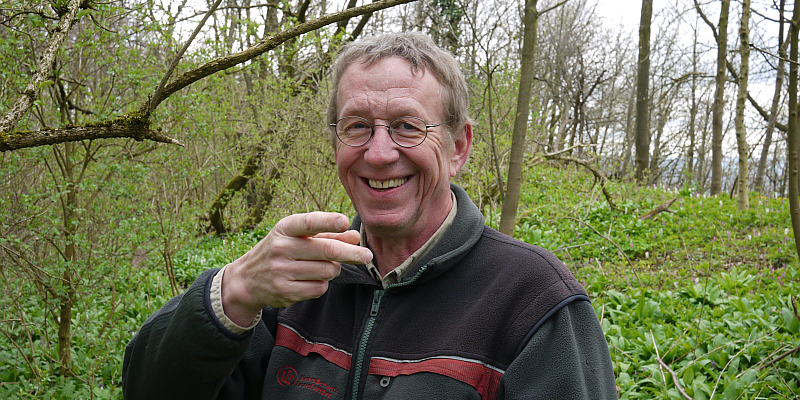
{"x": 381, "y": 149}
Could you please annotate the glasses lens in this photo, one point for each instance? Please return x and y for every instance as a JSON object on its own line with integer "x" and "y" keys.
{"x": 408, "y": 131}
{"x": 353, "y": 131}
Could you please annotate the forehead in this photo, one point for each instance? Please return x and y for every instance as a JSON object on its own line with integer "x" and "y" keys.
{"x": 388, "y": 87}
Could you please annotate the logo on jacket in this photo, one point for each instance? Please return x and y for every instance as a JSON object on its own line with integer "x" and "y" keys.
{"x": 288, "y": 376}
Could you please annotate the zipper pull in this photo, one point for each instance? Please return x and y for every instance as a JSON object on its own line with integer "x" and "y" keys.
{"x": 376, "y": 302}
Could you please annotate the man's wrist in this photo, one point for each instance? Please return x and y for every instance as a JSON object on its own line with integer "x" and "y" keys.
{"x": 236, "y": 319}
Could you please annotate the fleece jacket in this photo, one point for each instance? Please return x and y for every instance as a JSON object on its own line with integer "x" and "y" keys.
{"x": 481, "y": 316}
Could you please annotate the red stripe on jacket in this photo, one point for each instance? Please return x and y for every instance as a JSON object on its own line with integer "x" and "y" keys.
{"x": 484, "y": 379}
{"x": 292, "y": 340}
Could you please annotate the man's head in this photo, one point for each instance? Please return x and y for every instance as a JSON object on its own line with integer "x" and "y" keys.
{"x": 400, "y": 190}
{"x": 424, "y": 56}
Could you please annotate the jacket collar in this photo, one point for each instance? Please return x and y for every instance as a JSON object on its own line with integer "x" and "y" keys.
{"x": 465, "y": 231}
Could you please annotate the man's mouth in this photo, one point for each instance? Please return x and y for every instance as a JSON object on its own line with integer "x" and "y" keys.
{"x": 387, "y": 184}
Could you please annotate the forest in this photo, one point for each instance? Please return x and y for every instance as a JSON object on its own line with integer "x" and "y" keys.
{"x": 654, "y": 152}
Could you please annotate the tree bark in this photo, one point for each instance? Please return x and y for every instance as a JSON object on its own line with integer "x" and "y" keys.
{"x": 508, "y": 214}
{"x": 791, "y": 148}
{"x": 689, "y": 169}
{"x": 758, "y": 183}
{"x": 43, "y": 70}
{"x": 718, "y": 108}
{"x": 642, "y": 136}
{"x": 743, "y": 180}
{"x": 234, "y": 185}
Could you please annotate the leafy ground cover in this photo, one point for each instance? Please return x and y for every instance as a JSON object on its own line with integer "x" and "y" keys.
{"x": 696, "y": 300}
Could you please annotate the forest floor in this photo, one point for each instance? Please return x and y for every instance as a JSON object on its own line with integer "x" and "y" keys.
{"x": 695, "y": 302}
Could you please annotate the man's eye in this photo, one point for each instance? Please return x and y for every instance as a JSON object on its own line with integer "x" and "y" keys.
{"x": 358, "y": 126}
{"x": 407, "y": 126}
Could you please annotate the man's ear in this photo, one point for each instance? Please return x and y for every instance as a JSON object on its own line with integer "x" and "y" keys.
{"x": 462, "y": 144}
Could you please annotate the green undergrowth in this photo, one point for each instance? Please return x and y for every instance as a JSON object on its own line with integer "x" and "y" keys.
{"x": 705, "y": 289}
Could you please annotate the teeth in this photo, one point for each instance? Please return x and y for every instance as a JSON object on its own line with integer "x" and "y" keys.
{"x": 391, "y": 183}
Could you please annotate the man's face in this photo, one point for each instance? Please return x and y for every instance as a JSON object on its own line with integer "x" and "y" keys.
{"x": 398, "y": 192}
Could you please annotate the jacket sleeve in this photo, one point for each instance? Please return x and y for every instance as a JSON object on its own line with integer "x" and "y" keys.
{"x": 567, "y": 358}
{"x": 183, "y": 352}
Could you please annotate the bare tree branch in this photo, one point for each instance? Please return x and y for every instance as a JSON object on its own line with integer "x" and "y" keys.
{"x": 174, "y": 63}
{"x": 661, "y": 208}
{"x": 674, "y": 379}
{"x": 44, "y": 137}
{"x": 596, "y": 172}
{"x": 43, "y": 70}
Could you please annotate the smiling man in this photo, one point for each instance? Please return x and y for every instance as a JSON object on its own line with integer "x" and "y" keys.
{"x": 418, "y": 299}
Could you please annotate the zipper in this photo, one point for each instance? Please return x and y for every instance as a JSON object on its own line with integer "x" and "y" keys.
{"x": 377, "y": 295}
{"x": 362, "y": 347}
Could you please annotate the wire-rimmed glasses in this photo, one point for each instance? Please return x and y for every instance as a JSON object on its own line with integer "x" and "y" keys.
{"x": 405, "y": 131}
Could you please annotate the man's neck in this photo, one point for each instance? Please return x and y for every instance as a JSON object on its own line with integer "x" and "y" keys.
{"x": 389, "y": 251}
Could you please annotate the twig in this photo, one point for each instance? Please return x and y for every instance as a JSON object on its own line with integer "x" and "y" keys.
{"x": 752, "y": 46}
{"x": 661, "y": 208}
{"x": 568, "y": 149}
{"x": 174, "y": 64}
{"x": 674, "y": 379}
{"x": 658, "y": 357}
{"x": 597, "y": 174}
{"x": 780, "y": 357}
{"x": 574, "y": 246}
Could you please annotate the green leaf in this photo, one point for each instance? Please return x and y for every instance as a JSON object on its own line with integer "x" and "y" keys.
{"x": 749, "y": 377}
{"x": 688, "y": 375}
{"x": 790, "y": 322}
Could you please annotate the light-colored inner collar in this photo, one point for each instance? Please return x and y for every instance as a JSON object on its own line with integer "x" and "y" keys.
{"x": 397, "y": 274}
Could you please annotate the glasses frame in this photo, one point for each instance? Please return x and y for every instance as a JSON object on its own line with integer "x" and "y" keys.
{"x": 388, "y": 129}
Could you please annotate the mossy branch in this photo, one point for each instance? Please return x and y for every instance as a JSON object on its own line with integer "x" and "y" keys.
{"x": 118, "y": 128}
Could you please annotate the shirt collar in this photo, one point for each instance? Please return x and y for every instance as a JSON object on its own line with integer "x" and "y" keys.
{"x": 397, "y": 274}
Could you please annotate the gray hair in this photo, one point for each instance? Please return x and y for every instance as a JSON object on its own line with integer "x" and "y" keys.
{"x": 424, "y": 55}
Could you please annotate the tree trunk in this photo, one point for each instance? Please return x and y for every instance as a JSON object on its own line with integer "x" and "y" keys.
{"x": 758, "y": 183}
{"x": 67, "y": 292}
{"x": 719, "y": 100}
{"x": 689, "y": 170}
{"x": 234, "y": 185}
{"x": 629, "y": 133}
{"x": 794, "y": 202}
{"x": 743, "y": 180}
{"x": 642, "y": 137}
{"x": 508, "y": 214}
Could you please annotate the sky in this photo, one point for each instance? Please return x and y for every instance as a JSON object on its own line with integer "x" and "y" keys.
{"x": 622, "y": 12}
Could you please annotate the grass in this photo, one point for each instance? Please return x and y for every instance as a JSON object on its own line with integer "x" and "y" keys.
{"x": 703, "y": 292}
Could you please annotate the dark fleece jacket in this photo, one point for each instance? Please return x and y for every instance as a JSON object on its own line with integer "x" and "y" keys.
{"x": 480, "y": 316}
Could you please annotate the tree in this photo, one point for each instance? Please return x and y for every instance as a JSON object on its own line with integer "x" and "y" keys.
{"x": 136, "y": 124}
{"x": 758, "y": 182}
{"x": 743, "y": 179}
{"x": 718, "y": 108}
{"x": 642, "y": 135}
{"x": 794, "y": 129}
{"x": 514, "y": 186}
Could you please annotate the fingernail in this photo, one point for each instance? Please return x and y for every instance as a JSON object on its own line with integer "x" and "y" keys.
{"x": 343, "y": 224}
{"x": 367, "y": 257}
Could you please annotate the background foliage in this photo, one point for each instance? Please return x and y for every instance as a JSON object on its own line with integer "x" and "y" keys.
{"x": 101, "y": 233}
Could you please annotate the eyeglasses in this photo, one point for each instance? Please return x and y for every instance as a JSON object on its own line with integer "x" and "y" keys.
{"x": 405, "y": 131}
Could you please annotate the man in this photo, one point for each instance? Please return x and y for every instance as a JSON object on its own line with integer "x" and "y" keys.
{"x": 420, "y": 300}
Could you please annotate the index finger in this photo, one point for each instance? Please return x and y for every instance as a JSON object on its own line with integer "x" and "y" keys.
{"x": 310, "y": 224}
